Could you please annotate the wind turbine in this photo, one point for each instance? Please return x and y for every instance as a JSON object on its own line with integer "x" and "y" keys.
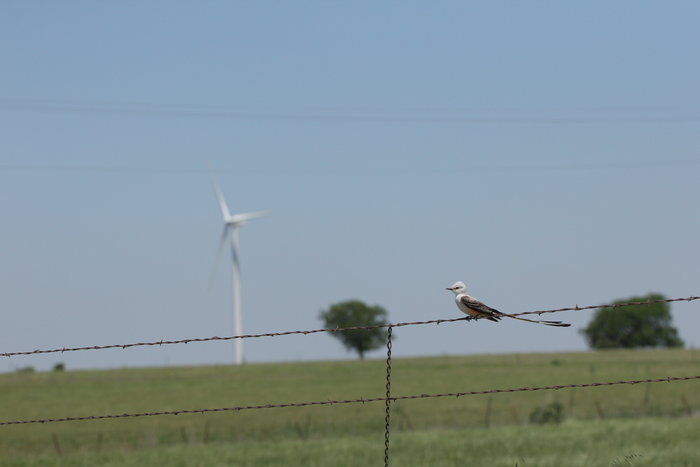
{"x": 231, "y": 224}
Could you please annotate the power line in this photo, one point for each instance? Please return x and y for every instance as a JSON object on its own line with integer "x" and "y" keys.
{"x": 360, "y": 114}
{"x": 348, "y": 171}
{"x": 29, "y": 102}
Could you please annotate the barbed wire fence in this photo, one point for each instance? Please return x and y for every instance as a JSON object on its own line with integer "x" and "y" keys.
{"x": 313, "y": 331}
{"x": 388, "y": 399}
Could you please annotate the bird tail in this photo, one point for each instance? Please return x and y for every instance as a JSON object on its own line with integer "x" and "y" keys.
{"x": 538, "y": 321}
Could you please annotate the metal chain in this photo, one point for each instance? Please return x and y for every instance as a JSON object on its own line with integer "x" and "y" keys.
{"x": 388, "y": 396}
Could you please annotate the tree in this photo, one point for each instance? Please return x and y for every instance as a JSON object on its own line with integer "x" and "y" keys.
{"x": 633, "y": 326}
{"x": 354, "y": 313}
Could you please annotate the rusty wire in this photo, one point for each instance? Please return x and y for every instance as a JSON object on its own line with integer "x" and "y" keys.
{"x": 349, "y": 401}
{"x": 388, "y": 397}
{"x": 286, "y": 333}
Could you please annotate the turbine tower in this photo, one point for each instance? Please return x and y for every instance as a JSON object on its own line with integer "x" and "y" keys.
{"x": 231, "y": 224}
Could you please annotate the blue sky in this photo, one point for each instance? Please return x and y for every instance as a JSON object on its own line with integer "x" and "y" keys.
{"x": 544, "y": 153}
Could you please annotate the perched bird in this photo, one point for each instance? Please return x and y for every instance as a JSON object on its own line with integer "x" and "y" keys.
{"x": 475, "y": 309}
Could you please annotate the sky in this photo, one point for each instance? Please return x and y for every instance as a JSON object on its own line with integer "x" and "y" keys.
{"x": 544, "y": 153}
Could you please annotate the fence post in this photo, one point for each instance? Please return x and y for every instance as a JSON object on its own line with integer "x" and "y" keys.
{"x": 56, "y": 445}
{"x": 487, "y": 416}
{"x": 205, "y": 437}
{"x": 388, "y": 396}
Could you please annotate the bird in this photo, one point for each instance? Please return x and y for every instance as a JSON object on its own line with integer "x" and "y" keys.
{"x": 474, "y": 309}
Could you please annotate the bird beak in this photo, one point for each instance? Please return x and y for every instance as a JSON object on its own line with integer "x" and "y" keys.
{"x": 448, "y": 288}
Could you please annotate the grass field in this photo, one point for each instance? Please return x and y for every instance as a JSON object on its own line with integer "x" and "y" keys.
{"x": 650, "y": 422}
{"x": 640, "y": 442}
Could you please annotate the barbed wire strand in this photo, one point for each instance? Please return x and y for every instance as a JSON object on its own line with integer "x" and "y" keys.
{"x": 349, "y": 401}
{"x": 313, "y": 331}
{"x": 388, "y": 396}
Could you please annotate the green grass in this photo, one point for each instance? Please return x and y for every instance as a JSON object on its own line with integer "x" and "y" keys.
{"x": 641, "y": 442}
{"x": 314, "y": 435}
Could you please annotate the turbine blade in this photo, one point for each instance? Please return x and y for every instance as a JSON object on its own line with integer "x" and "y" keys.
{"x": 234, "y": 249}
{"x": 218, "y": 255}
{"x": 251, "y": 215}
{"x": 220, "y": 197}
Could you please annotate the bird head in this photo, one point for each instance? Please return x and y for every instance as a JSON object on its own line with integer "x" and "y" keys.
{"x": 458, "y": 288}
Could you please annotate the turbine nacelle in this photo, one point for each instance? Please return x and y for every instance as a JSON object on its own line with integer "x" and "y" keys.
{"x": 240, "y": 219}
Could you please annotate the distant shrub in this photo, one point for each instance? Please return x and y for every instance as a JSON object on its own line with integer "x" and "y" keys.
{"x": 60, "y": 366}
{"x": 26, "y": 369}
{"x": 352, "y": 313}
{"x": 633, "y": 326}
{"x": 548, "y": 413}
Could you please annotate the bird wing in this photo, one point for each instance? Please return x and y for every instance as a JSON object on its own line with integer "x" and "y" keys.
{"x": 480, "y": 308}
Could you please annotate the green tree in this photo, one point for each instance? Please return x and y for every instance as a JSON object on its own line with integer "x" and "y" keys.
{"x": 353, "y": 313}
{"x": 646, "y": 325}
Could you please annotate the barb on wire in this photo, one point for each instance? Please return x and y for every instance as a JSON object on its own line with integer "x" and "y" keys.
{"x": 592, "y": 307}
{"x": 313, "y": 331}
{"x": 349, "y": 401}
